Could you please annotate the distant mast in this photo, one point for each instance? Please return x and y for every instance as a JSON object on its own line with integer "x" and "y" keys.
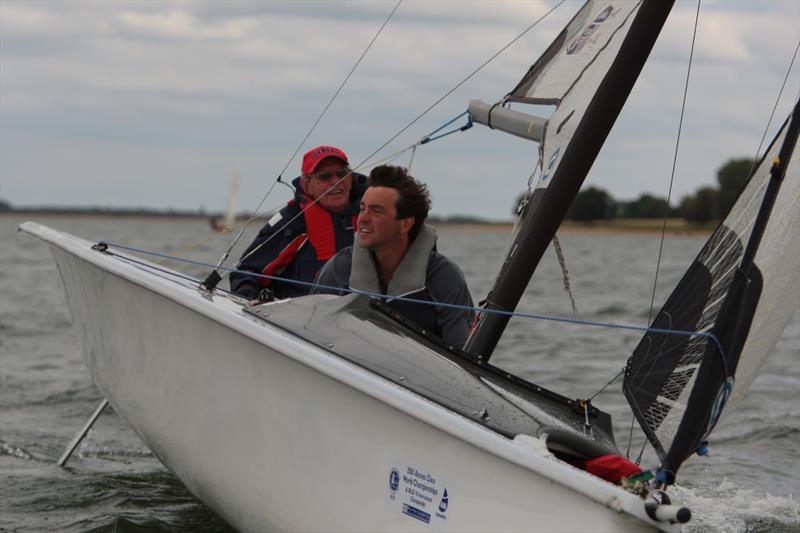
{"x": 587, "y": 73}
{"x": 230, "y": 212}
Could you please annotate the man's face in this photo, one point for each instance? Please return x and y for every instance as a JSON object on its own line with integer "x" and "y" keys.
{"x": 377, "y": 223}
{"x": 337, "y": 200}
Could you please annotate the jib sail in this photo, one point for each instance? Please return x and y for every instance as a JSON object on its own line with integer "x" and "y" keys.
{"x": 739, "y": 293}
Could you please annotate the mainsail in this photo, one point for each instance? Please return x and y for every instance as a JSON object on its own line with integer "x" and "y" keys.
{"x": 742, "y": 288}
{"x": 587, "y": 73}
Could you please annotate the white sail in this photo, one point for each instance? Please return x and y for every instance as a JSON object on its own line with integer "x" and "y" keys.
{"x": 587, "y": 73}
{"x": 570, "y": 72}
{"x": 662, "y": 374}
{"x": 230, "y": 213}
{"x": 778, "y": 259}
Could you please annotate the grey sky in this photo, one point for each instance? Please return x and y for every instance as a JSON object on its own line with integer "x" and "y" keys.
{"x": 154, "y": 103}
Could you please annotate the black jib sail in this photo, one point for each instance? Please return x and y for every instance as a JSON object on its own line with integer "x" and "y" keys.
{"x": 738, "y": 295}
{"x": 587, "y": 73}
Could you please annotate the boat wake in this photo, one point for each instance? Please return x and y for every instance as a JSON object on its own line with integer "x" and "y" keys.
{"x": 10, "y": 450}
{"x": 729, "y": 507}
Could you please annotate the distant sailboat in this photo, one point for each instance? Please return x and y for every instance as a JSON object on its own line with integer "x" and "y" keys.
{"x": 227, "y": 222}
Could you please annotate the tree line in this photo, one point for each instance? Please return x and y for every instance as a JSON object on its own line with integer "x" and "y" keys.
{"x": 707, "y": 204}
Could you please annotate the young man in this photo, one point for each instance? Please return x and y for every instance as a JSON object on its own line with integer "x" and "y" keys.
{"x": 297, "y": 249}
{"x": 395, "y": 254}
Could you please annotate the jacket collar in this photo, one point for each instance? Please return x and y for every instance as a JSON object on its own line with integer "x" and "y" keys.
{"x": 410, "y": 274}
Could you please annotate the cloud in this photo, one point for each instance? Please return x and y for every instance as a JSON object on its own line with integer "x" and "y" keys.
{"x": 179, "y": 25}
{"x": 175, "y": 92}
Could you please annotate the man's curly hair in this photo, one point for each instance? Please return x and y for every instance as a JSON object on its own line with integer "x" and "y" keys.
{"x": 414, "y": 200}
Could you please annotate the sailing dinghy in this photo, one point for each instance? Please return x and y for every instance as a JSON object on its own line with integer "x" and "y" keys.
{"x": 226, "y": 223}
{"x": 334, "y": 413}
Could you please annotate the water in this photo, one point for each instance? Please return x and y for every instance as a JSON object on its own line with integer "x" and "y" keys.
{"x": 751, "y": 482}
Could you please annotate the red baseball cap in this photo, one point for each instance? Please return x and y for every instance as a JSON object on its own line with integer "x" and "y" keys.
{"x": 315, "y": 156}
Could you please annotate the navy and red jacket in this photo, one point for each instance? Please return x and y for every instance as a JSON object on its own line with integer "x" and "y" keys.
{"x": 297, "y": 249}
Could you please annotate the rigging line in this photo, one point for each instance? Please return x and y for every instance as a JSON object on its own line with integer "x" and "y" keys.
{"x": 411, "y": 160}
{"x": 300, "y": 213}
{"x": 604, "y": 387}
{"x": 674, "y": 163}
{"x": 774, "y": 107}
{"x": 314, "y": 202}
{"x": 313, "y": 127}
{"x": 459, "y": 84}
{"x": 669, "y": 197}
{"x": 363, "y": 163}
{"x": 396, "y": 154}
{"x": 562, "y": 262}
{"x": 341, "y": 86}
{"x": 247, "y": 222}
{"x": 630, "y": 440}
{"x": 412, "y": 147}
{"x": 534, "y": 316}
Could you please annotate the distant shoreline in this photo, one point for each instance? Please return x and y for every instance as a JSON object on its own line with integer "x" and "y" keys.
{"x": 111, "y": 212}
{"x": 608, "y": 227}
{"x": 674, "y": 226}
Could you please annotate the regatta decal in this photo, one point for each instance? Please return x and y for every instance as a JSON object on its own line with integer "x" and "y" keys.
{"x": 419, "y": 494}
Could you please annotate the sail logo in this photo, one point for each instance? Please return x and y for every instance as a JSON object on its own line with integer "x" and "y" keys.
{"x": 394, "y": 479}
{"x": 550, "y": 164}
{"x": 588, "y": 35}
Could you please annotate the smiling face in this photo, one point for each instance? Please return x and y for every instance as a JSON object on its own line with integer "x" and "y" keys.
{"x": 337, "y": 199}
{"x": 377, "y": 225}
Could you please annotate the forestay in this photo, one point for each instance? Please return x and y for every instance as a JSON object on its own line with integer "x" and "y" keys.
{"x": 745, "y": 310}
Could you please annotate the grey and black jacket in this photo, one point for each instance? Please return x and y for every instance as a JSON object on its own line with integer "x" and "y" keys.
{"x": 423, "y": 274}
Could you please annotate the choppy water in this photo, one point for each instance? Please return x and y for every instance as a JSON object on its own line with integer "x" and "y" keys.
{"x": 751, "y": 482}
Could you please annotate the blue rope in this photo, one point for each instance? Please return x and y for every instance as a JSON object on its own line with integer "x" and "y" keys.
{"x": 172, "y": 273}
{"x": 713, "y": 338}
{"x": 432, "y": 135}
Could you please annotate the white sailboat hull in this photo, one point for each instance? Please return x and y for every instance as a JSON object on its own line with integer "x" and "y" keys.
{"x": 274, "y": 433}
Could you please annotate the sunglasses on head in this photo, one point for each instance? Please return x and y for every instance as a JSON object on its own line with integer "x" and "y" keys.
{"x": 327, "y": 175}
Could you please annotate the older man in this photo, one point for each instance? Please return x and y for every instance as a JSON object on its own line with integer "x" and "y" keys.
{"x": 297, "y": 241}
{"x": 395, "y": 254}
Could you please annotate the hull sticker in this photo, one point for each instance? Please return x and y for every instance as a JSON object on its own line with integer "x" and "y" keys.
{"x": 419, "y": 494}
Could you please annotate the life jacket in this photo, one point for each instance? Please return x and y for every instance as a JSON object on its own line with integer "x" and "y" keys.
{"x": 409, "y": 280}
{"x": 313, "y": 242}
{"x": 303, "y": 246}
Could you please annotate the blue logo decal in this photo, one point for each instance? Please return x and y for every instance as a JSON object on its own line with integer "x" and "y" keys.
{"x": 550, "y": 164}
{"x": 394, "y": 479}
{"x": 413, "y": 512}
{"x": 443, "y": 503}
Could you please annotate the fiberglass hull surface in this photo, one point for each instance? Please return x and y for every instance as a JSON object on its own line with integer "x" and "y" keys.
{"x": 272, "y": 434}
